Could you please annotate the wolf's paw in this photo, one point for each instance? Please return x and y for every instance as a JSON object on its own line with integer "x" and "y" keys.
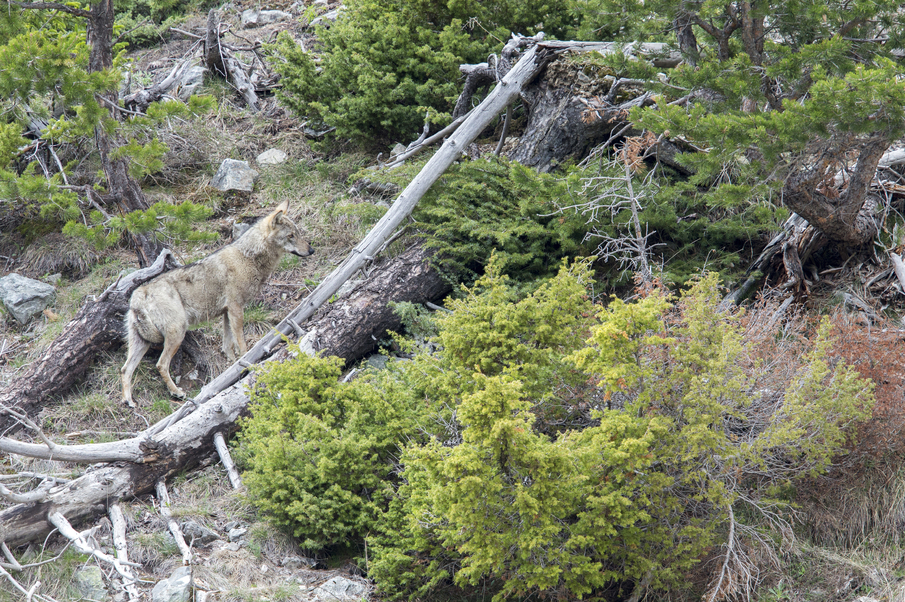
{"x": 178, "y": 394}
{"x": 129, "y": 403}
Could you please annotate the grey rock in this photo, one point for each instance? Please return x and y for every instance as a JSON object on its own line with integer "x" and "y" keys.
{"x": 232, "y": 547}
{"x": 341, "y": 589}
{"x": 299, "y": 562}
{"x": 273, "y": 156}
{"x": 190, "y": 81}
{"x": 89, "y": 581}
{"x": 256, "y": 17}
{"x": 25, "y": 298}
{"x": 237, "y": 533}
{"x": 176, "y": 588}
{"x": 325, "y": 19}
{"x": 377, "y": 361}
{"x": 231, "y": 525}
{"x": 54, "y": 279}
{"x": 200, "y": 534}
{"x": 234, "y": 175}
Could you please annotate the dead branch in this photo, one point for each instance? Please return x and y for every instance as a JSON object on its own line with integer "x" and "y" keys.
{"x": 227, "y": 460}
{"x": 84, "y": 543}
{"x": 164, "y": 498}
{"x": 118, "y": 527}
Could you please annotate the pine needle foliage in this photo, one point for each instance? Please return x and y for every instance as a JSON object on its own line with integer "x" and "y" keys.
{"x": 384, "y": 64}
{"x": 553, "y": 447}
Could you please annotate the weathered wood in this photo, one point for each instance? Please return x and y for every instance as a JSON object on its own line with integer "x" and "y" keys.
{"x": 351, "y": 326}
{"x": 140, "y": 100}
{"x": 220, "y": 60}
{"x": 97, "y": 328}
{"x": 507, "y": 91}
{"x": 569, "y": 113}
{"x": 152, "y": 457}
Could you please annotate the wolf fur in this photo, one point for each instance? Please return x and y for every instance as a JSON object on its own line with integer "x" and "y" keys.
{"x": 162, "y": 310}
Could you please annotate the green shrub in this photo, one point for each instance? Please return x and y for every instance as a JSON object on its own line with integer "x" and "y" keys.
{"x": 385, "y": 63}
{"x": 550, "y": 446}
{"x": 639, "y": 492}
{"x": 319, "y": 455}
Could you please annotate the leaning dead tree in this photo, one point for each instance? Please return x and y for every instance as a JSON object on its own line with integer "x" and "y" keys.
{"x": 181, "y": 440}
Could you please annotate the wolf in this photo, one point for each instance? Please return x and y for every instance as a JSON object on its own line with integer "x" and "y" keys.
{"x": 163, "y": 309}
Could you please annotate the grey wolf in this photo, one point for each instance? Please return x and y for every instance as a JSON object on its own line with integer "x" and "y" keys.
{"x": 221, "y": 284}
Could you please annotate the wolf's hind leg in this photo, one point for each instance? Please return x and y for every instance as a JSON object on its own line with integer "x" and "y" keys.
{"x": 233, "y": 336}
{"x": 171, "y": 343}
{"x": 137, "y": 349}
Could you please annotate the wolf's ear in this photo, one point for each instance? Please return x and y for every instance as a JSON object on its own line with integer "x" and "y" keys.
{"x": 278, "y": 214}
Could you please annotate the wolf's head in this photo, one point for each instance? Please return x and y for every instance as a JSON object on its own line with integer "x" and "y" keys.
{"x": 275, "y": 232}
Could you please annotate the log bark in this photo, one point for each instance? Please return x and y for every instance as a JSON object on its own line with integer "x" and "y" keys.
{"x": 97, "y": 328}
{"x": 570, "y": 113}
{"x": 351, "y": 327}
{"x": 151, "y": 457}
{"x": 219, "y": 60}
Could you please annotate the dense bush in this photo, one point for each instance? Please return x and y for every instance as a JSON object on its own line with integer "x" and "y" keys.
{"x": 553, "y": 447}
{"x": 384, "y": 64}
{"x": 318, "y": 454}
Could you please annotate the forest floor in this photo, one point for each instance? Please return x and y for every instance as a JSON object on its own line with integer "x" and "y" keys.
{"x": 251, "y": 559}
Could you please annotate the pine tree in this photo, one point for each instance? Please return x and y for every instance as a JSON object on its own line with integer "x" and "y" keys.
{"x": 62, "y": 92}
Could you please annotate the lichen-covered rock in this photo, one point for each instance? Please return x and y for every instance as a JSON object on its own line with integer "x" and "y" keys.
{"x": 340, "y": 589}
{"x": 25, "y": 298}
{"x": 89, "y": 581}
{"x": 177, "y": 588}
{"x": 234, "y": 175}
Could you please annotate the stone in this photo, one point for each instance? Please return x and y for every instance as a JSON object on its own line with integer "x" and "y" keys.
{"x": 234, "y": 175}
{"x": 339, "y": 589}
{"x": 190, "y": 81}
{"x": 377, "y": 361}
{"x": 176, "y": 588}
{"x": 326, "y": 19}
{"x": 198, "y": 533}
{"x": 237, "y": 533}
{"x": 273, "y": 156}
{"x": 89, "y": 582}
{"x": 255, "y": 17}
{"x": 25, "y": 298}
{"x": 298, "y": 562}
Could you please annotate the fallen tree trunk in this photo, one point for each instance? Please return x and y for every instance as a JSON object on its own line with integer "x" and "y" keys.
{"x": 97, "y": 328}
{"x": 347, "y": 328}
{"x": 351, "y": 327}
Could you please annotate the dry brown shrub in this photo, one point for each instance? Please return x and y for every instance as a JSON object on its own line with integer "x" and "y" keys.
{"x": 58, "y": 253}
{"x": 864, "y": 495}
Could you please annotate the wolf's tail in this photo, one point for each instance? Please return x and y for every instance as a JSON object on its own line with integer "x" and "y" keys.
{"x": 139, "y": 328}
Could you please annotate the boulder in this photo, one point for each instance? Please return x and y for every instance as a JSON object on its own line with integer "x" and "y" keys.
{"x": 273, "y": 156}
{"x": 89, "y": 582}
{"x": 25, "y": 298}
{"x": 339, "y": 589}
{"x": 176, "y": 588}
{"x": 255, "y": 17}
{"x": 190, "y": 81}
{"x": 198, "y": 533}
{"x": 234, "y": 175}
